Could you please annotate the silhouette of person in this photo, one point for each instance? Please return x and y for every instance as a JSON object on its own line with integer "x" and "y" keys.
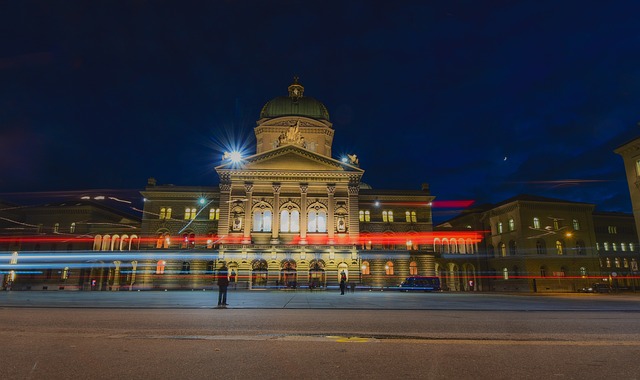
{"x": 343, "y": 282}
{"x": 223, "y": 283}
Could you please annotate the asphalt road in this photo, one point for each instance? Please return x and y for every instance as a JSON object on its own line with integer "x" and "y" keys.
{"x": 300, "y": 335}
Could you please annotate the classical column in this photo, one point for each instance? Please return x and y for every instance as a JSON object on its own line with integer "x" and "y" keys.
{"x": 331, "y": 229}
{"x": 275, "y": 225}
{"x": 246, "y": 239}
{"x": 354, "y": 221}
{"x": 303, "y": 213}
{"x": 225, "y": 208}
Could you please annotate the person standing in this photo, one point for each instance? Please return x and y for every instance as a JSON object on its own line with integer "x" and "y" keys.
{"x": 223, "y": 283}
{"x": 343, "y": 282}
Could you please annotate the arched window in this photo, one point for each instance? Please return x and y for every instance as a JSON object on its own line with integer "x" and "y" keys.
{"x": 160, "y": 267}
{"x": 413, "y": 268}
{"x": 536, "y": 223}
{"x": 262, "y": 220}
{"x": 388, "y": 268}
{"x": 72, "y": 227}
{"x": 499, "y": 227}
{"x": 559, "y": 247}
{"x": 97, "y": 242}
{"x": 631, "y": 247}
{"x": 414, "y": 217}
{"x": 503, "y": 250}
{"x": 614, "y": 245}
{"x": 366, "y": 269}
{"x": 437, "y": 246}
{"x": 317, "y": 220}
{"x": 606, "y": 245}
{"x": 65, "y": 273}
{"x": 189, "y": 213}
{"x": 214, "y": 213}
{"x": 289, "y": 219}
{"x": 625, "y": 262}
{"x": 168, "y": 214}
{"x": 617, "y": 262}
{"x": 623, "y": 246}
{"x": 163, "y": 213}
{"x": 387, "y": 216}
{"x": 576, "y": 225}
{"x": 367, "y": 216}
{"x": 408, "y": 216}
{"x": 361, "y": 215}
{"x": 505, "y": 273}
{"x": 540, "y": 247}
{"x": 608, "y": 262}
{"x": 512, "y": 225}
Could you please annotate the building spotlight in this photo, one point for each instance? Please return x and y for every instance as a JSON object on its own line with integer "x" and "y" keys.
{"x": 234, "y": 156}
{"x": 344, "y": 159}
{"x": 201, "y": 200}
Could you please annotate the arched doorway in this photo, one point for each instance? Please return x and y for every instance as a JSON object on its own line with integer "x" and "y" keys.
{"x": 259, "y": 273}
{"x": 343, "y": 268}
{"x": 288, "y": 274}
{"x": 317, "y": 278}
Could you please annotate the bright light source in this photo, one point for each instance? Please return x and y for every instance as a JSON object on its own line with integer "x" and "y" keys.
{"x": 376, "y": 203}
{"x": 344, "y": 159}
{"x": 202, "y": 200}
{"x": 86, "y": 197}
{"x": 235, "y": 157}
{"x": 99, "y": 197}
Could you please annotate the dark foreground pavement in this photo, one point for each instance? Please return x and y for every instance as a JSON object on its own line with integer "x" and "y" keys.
{"x": 300, "y": 299}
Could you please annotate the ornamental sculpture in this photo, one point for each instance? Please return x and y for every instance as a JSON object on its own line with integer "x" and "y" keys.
{"x": 292, "y": 137}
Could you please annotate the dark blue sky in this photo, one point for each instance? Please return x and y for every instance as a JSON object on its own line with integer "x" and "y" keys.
{"x": 103, "y": 95}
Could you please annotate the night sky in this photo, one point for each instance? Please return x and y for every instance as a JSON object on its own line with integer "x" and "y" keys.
{"x": 483, "y": 100}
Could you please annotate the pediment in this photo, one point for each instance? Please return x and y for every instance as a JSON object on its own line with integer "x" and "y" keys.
{"x": 291, "y": 158}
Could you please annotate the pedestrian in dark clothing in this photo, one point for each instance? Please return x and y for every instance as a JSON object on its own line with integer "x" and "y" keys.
{"x": 343, "y": 283}
{"x": 223, "y": 283}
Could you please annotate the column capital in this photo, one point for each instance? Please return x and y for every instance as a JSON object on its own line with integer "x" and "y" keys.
{"x": 248, "y": 187}
{"x": 304, "y": 187}
{"x": 331, "y": 189}
{"x": 276, "y": 188}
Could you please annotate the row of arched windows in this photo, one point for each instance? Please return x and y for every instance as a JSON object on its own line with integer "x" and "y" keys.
{"x": 115, "y": 242}
{"x": 190, "y": 213}
{"x": 614, "y": 246}
{"x": 541, "y": 249}
{"x": 387, "y": 216}
{"x": 453, "y": 245}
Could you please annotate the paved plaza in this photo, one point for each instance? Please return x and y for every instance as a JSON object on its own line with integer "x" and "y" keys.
{"x": 324, "y": 299}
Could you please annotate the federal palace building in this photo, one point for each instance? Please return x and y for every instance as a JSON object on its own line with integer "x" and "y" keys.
{"x": 293, "y": 216}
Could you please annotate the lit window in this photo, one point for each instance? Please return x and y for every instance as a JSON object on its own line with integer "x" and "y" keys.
{"x": 576, "y": 225}
{"x": 72, "y": 227}
{"x": 617, "y": 261}
{"x": 388, "y": 268}
{"x": 367, "y": 216}
{"x": 606, "y": 245}
{"x": 168, "y": 216}
{"x": 317, "y": 221}
{"x": 505, "y": 273}
{"x": 160, "y": 267}
{"x": 625, "y": 262}
{"x": 290, "y": 221}
{"x": 512, "y": 225}
{"x": 583, "y": 271}
{"x": 613, "y": 230}
{"x": 413, "y": 268}
{"x": 631, "y": 247}
{"x": 623, "y": 246}
{"x": 163, "y": 213}
{"x": 608, "y": 262}
{"x": 387, "y": 216}
{"x": 597, "y": 246}
{"x": 414, "y": 217}
{"x": 556, "y": 224}
{"x": 361, "y": 215}
{"x": 503, "y": 249}
{"x": 536, "y": 223}
{"x": 559, "y": 247}
{"x": 366, "y": 270}
{"x": 408, "y": 216}
{"x": 189, "y": 213}
{"x": 499, "y": 227}
{"x": 56, "y": 228}
{"x": 214, "y": 214}
{"x": 262, "y": 220}
{"x": 65, "y": 273}
{"x": 614, "y": 246}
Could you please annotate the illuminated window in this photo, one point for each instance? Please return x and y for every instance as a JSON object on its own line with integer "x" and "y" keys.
{"x": 559, "y": 247}
{"x": 361, "y": 215}
{"x": 614, "y": 246}
{"x": 168, "y": 215}
{"x": 72, "y": 227}
{"x": 556, "y": 224}
{"x": 366, "y": 269}
{"x": 160, "y": 267}
{"x": 608, "y": 262}
{"x": 65, "y": 273}
{"x": 56, "y": 228}
{"x": 163, "y": 213}
{"x": 499, "y": 227}
{"x": 503, "y": 250}
{"x": 388, "y": 268}
{"x": 631, "y": 247}
{"x": 387, "y": 216}
{"x": 606, "y": 245}
{"x": 262, "y": 220}
{"x": 367, "y": 216}
{"x": 512, "y": 225}
{"x": 290, "y": 221}
{"x": 408, "y": 216}
{"x": 576, "y": 225}
{"x": 214, "y": 213}
{"x": 413, "y": 268}
{"x": 189, "y": 213}
{"x": 536, "y": 223}
{"x": 617, "y": 262}
{"x": 414, "y": 217}
{"x": 625, "y": 262}
{"x": 505, "y": 273}
{"x": 623, "y": 246}
{"x": 583, "y": 271}
{"x": 597, "y": 246}
{"x": 613, "y": 230}
{"x": 317, "y": 221}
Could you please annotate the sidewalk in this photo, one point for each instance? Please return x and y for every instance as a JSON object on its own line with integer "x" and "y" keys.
{"x": 326, "y": 299}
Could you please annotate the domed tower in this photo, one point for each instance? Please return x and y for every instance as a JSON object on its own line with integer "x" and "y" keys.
{"x": 295, "y": 119}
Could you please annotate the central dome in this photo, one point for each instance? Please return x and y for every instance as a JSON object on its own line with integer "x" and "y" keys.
{"x": 296, "y": 104}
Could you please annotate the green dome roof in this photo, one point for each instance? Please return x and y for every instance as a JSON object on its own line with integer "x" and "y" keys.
{"x": 296, "y": 104}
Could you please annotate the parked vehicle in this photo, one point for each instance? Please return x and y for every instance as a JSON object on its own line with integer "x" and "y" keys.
{"x": 421, "y": 283}
{"x": 596, "y": 288}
